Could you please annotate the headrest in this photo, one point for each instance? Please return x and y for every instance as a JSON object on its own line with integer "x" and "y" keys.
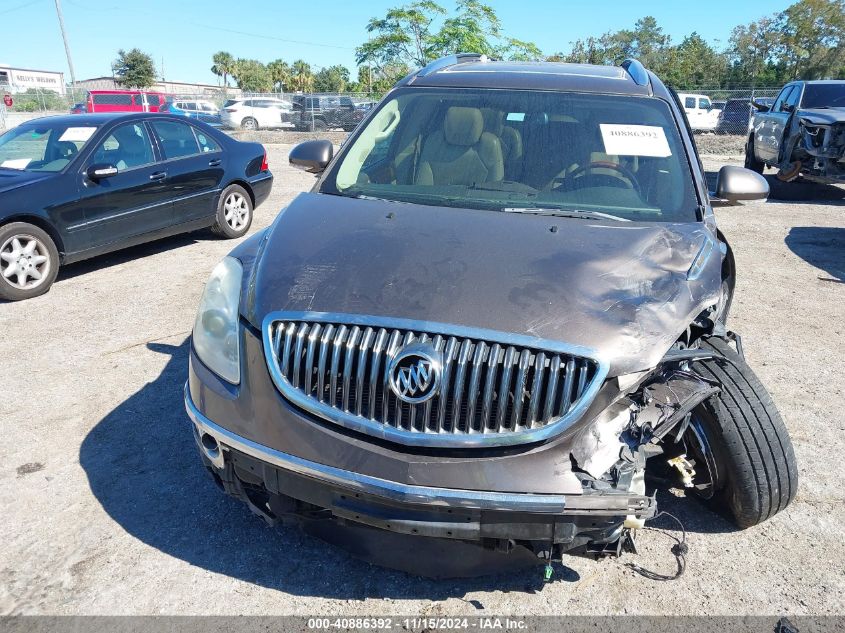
{"x": 130, "y": 142}
{"x": 494, "y": 120}
{"x": 463, "y": 126}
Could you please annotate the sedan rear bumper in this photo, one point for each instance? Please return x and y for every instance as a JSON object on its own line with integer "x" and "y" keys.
{"x": 414, "y": 509}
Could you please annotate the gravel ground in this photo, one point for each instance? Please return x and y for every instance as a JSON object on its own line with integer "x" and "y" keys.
{"x": 722, "y": 144}
{"x": 106, "y": 509}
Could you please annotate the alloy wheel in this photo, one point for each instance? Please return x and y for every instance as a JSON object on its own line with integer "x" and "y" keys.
{"x": 236, "y": 211}
{"x": 24, "y": 262}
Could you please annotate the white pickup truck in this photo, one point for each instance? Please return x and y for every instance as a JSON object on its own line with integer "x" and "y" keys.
{"x": 701, "y": 114}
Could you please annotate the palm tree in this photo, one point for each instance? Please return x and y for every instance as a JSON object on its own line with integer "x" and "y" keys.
{"x": 301, "y": 76}
{"x": 280, "y": 74}
{"x": 224, "y": 65}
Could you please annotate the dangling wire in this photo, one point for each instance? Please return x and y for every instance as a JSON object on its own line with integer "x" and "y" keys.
{"x": 679, "y": 549}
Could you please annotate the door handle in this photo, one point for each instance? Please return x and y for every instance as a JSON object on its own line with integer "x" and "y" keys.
{"x": 215, "y": 162}
{"x": 159, "y": 175}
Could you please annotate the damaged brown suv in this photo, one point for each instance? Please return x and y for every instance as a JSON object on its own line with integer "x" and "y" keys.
{"x": 499, "y": 309}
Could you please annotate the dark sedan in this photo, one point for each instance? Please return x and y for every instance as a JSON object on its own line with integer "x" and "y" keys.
{"x": 76, "y": 186}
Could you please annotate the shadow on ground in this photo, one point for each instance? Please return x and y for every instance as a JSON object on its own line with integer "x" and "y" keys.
{"x": 142, "y": 466}
{"x": 132, "y": 253}
{"x": 822, "y": 247}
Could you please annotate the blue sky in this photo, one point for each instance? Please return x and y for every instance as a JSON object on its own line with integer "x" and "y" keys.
{"x": 185, "y": 33}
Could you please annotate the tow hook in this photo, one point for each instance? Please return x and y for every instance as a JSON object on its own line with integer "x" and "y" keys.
{"x": 683, "y": 466}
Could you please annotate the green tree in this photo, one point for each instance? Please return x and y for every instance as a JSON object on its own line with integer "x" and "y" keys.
{"x": 279, "y": 74}
{"x": 403, "y": 36}
{"x": 813, "y": 39}
{"x": 591, "y": 50}
{"x": 252, "y": 76}
{"x": 134, "y": 69}
{"x": 694, "y": 63}
{"x": 646, "y": 42}
{"x": 302, "y": 77}
{"x": 378, "y": 80}
{"x": 223, "y": 66}
{"x": 520, "y": 50}
{"x": 752, "y": 54}
{"x": 474, "y": 29}
{"x": 35, "y": 100}
{"x": 407, "y": 37}
{"x": 332, "y": 79}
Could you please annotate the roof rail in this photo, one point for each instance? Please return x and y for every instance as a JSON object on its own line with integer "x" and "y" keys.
{"x": 637, "y": 71}
{"x": 450, "y": 60}
{"x": 440, "y": 64}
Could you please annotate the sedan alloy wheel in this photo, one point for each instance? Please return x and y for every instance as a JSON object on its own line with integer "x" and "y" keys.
{"x": 236, "y": 211}
{"x": 24, "y": 262}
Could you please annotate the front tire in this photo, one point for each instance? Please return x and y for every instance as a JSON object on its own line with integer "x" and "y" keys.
{"x": 29, "y": 261}
{"x": 752, "y": 464}
{"x": 751, "y": 161}
{"x": 234, "y": 213}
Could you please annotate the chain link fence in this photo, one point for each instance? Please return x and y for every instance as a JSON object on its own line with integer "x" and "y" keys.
{"x": 237, "y": 112}
{"x": 734, "y": 107}
{"x": 290, "y": 117}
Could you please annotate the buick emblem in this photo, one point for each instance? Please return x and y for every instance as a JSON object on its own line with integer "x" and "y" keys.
{"x": 414, "y": 373}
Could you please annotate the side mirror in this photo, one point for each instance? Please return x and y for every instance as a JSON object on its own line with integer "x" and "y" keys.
{"x": 737, "y": 183}
{"x": 786, "y": 107}
{"x": 312, "y": 156}
{"x": 761, "y": 107}
{"x": 100, "y": 171}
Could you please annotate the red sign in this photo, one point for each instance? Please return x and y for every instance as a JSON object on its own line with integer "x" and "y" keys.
{"x": 7, "y": 99}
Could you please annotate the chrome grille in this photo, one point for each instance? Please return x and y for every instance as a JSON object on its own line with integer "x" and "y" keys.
{"x": 495, "y": 388}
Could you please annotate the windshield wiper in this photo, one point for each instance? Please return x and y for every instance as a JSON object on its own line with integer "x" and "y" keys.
{"x": 358, "y": 196}
{"x": 563, "y": 213}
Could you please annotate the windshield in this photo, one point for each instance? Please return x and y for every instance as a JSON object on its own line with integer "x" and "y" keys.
{"x": 512, "y": 150}
{"x": 43, "y": 146}
{"x": 821, "y": 95}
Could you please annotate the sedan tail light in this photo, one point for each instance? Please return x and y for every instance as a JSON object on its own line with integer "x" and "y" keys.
{"x": 264, "y": 165}
{"x": 229, "y": 110}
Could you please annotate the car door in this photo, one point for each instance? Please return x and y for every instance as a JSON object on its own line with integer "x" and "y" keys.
{"x": 206, "y": 113}
{"x": 194, "y": 163}
{"x": 247, "y": 110}
{"x": 691, "y": 110}
{"x": 709, "y": 115}
{"x": 781, "y": 123}
{"x": 769, "y": 127}
{"x": 271, "y": 112}
{"x": 132, "y": 201}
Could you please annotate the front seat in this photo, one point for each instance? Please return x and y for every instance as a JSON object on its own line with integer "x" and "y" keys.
{"x": 133, "y": 150}
{"x": 510, "y": 139}
{"x": 461, "y": 153}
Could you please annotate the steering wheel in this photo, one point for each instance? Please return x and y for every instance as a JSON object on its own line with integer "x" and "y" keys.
{"x": 65, "y": 149}
{"x": 606, "y": 164}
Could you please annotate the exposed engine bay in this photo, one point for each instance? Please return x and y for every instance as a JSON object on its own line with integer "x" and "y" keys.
{"x": 821, "y": 147}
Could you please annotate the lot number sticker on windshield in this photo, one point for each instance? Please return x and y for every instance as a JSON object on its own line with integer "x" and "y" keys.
{"x": 77, "y": 134}
{"x": 16, "y": 163}
{"x": 634, "y": 140}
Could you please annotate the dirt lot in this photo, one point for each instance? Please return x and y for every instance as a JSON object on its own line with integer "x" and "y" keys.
{"x": 106, "y": 509}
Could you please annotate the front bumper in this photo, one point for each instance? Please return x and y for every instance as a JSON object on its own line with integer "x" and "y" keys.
{"x": 570, "y": 520}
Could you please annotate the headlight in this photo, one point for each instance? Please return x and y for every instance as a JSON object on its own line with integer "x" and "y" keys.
{"x": 216, "y": 335}
{"x": 698, "y": 264}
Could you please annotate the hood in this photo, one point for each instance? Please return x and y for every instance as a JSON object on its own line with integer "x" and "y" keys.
{"x": 618, "y": 288}
{"x": 822, "y": 116}
{"x": 12, "y": 178}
